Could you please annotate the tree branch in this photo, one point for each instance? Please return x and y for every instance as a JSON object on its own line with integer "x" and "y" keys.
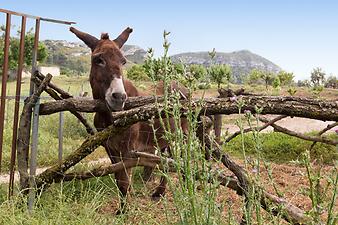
{"x": 254, "y": 128}
{"x": 299, "y": 135}
{"x": 329, "y": 127}
{"x": 24, "y": 132}
{"x": 290, "y": 106}
{"x": 51, "y": 91}
{"x": 128, "y": 118}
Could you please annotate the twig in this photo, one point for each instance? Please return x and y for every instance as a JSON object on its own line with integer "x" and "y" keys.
{"x": 63, "y": 93}
{"x": 329, "y": 127}
{"x": 299, "y": 135}
{"x": 255, "y": 128}
{"x": 53, "y": 94}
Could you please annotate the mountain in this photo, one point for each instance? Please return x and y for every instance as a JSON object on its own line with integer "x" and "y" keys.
{"x": 241, "y": 62}
{"x": 74, "y": 58}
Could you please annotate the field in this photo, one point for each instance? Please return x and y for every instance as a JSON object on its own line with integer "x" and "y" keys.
{"x": 95, "y": 201}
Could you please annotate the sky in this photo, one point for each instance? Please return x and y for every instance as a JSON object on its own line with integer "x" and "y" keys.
{"x": 297, "y": 35}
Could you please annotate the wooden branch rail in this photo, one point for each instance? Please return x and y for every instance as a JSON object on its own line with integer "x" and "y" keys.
{"x": 92, "y": 142}
{"x": 290, "y": 106}
{"x": 52, "y": 90}
{"x": 134, "y": 159}
{"x": 246, "y": 130}
{"x": 329, "y": 127}
{"x": 300, "y": 135}
{"x": 24, "y": 132}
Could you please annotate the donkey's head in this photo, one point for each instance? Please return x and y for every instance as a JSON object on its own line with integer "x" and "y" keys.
{"x": 106, "y": 67}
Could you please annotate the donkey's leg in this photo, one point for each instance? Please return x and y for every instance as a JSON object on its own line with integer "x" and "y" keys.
{"x": 147, "y": 173}
{"x": 160, "y": 190}
{"x": 123, "y": 183}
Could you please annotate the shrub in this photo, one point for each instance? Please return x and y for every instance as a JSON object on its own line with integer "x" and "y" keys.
{"x": 137, "y": 73}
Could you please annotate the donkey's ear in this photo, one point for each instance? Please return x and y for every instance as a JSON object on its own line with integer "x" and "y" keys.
{"x": 123, "y": 37}
{"x": 88, "y": 39}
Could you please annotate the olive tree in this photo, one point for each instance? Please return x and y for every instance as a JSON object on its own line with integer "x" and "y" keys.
{"x": 220, "y": 74}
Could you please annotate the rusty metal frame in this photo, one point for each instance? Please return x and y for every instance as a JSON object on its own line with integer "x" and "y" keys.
{"x": 35, "y": 126}
{"x": 4, "y": 82}
{"x": 17, "y": 105}
{"x": 36, "y": 17}
{"x": 24, "y": 17}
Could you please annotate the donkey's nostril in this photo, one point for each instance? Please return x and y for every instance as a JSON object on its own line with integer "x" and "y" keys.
{"x": 124, "y": 96}
{"x": 119, "y": 96}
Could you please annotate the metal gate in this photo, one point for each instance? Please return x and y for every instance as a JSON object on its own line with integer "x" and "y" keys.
{"x": 5, "y": 68}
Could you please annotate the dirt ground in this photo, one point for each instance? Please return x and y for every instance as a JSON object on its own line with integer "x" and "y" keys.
{"x": 297, "y": 124}
{"x": 290, "y": 180}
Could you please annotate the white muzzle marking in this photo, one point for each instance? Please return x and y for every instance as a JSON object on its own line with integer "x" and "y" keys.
{"x": 116, "y": 86}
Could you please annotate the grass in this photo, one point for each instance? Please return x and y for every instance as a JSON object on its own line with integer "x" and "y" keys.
{"x": 68, "y": 203}
{"x": 281, "y": 148}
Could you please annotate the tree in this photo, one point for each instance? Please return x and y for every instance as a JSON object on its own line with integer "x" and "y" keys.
{"x": 220, "y": 74}
{"x": 303, "y": 83}
{"x": 317, "y": 77}
{"x": 285, "y": 78}
{"x": 156, "y": 69}
{"x": 331, "y": 82}
{"x": 198, "y": 71}
{"x": 267, "y": 77}
{"x": 276, "y": 83}
{"x": 254, "y": 76}
{"x": 14, "y": 49}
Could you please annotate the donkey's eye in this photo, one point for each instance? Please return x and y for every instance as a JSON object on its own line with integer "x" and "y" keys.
{"x": 123, "y": 61}
{"x": 99, "y": 61}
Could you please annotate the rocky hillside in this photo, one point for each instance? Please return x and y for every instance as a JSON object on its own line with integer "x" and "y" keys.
{"x": 74, "y": 58}
{"x": 241, "y": 62}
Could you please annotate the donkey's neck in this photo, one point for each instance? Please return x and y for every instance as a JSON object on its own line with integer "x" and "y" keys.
{"x": 130, "y": 89}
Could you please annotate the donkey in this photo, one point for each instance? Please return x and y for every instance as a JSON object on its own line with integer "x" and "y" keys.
{"x": 108, "y": 84}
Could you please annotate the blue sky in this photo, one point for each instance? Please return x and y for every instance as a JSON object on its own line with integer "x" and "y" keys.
{"x": 297, "y": 35}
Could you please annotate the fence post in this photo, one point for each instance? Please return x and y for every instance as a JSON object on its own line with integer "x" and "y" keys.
{"x": 60, "y": 136}
{"x": 35, "y": 126}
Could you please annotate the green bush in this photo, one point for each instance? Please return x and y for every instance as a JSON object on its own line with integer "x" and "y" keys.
{"x": 198, "y": 71}
{"x": 280, "y": 148}
{"x": 204, "y": 85}
{"x": 137, "y": 73}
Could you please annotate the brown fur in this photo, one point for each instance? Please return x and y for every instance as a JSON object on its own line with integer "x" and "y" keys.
{"x": 140, "y": 136}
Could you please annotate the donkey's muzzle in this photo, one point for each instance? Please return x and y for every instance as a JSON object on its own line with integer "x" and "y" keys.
{"x": 119, "y": 97}
{"x": 117, "y": 101}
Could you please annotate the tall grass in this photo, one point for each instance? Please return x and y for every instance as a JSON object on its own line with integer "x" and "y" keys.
{"x": 193, "y": 206}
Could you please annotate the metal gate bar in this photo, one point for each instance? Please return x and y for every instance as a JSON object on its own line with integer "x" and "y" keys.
{"x": 35, "y": 126}
{"x": 36, "y": 17}
{"x": 4, "y": 82}
{"x": 17, "y": 105}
